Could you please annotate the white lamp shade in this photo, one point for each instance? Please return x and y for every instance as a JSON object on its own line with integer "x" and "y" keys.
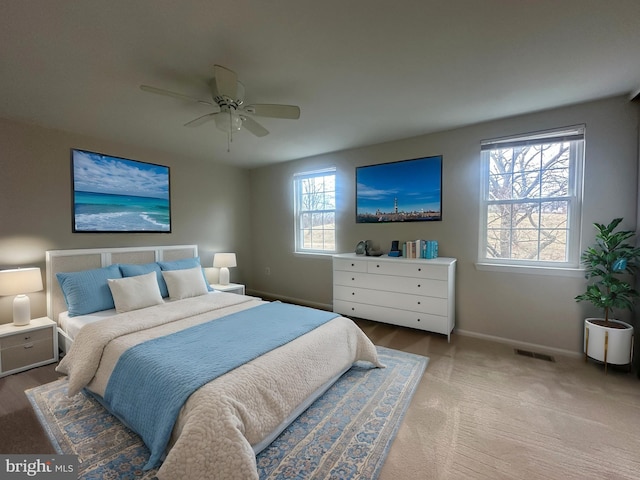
{"x": 20, "y": 280}
{"x": 224, "y": 260}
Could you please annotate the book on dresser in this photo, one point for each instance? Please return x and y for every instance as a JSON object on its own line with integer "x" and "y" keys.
{"x": 410, "y": 292}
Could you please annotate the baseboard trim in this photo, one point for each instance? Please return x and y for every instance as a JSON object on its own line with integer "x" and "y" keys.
{"x": 298, "y": 301}
{"x": 515, "y": 343}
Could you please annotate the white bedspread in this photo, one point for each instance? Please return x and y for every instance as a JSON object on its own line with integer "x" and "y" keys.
{"x": 219, "y": 423}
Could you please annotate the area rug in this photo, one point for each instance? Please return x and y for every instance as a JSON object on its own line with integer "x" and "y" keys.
{"x": 345, "y": 434}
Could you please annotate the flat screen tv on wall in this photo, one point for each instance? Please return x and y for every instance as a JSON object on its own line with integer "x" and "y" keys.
{"x": 112, "y": 194}
{"x": 403, "y": 191}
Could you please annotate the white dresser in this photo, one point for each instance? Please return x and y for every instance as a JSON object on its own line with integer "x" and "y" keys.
{"x": 411, "y": 292}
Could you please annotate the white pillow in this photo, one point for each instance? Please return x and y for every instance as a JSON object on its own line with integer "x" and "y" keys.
{"x": 133, "y": 293}
{"x": 185, "y": 283}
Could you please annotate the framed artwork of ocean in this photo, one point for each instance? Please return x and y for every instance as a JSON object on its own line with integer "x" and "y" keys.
{"x": 112, "y": 194}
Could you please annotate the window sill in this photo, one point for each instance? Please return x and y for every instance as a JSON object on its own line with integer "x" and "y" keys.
{"x": 314, "y": 254}
{"x": 532, "y": 270}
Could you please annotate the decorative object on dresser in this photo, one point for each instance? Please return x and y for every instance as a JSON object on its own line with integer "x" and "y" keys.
{"x": 18, "y": 282}
{"x": 224, "y": 261}
{"x": 25, "y": 347}
{"x": 416, "y": 292}
{"x": 372, "y": 249}
{"x": 609, "y": 265}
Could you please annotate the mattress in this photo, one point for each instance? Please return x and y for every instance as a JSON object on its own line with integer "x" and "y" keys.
{"x": 72, "y": 325}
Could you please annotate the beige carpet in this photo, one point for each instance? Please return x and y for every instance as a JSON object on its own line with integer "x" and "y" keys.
{"x": 483, "y": 412}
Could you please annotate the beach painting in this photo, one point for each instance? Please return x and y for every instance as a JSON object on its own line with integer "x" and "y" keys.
{"x": 112, "y": 194}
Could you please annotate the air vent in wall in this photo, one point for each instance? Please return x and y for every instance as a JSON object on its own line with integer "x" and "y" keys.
{"x": 539, "y": 356}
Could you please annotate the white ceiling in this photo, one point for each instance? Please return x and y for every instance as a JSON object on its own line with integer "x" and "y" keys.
{"x": 362, "y": 71}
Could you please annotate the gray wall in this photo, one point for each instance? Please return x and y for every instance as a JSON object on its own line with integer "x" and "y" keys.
{"x": 532, "y": 309}
{"x": 209, "y": 203}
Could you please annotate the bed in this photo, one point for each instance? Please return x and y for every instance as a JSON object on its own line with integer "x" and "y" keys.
{"x": 196, "y": 376}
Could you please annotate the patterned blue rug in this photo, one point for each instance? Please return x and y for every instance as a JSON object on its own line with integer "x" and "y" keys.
{"x": 345, "y": 434}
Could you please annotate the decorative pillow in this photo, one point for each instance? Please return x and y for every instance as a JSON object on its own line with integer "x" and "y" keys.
{"x": 88, "y": 291}
{"x": 182, "y": 264}
{"x": 134, "y": 293}
{"x": 185, "y": 283}
{"x": 132, "y": 270}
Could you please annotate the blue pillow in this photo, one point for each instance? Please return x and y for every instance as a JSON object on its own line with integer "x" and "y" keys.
{"x": 88, "y": 291}
{"x": 183, "y": 264}
{"x": 133, "y": 270}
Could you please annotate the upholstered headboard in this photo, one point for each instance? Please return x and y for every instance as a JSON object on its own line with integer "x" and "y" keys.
{"x": 86, "y": 259}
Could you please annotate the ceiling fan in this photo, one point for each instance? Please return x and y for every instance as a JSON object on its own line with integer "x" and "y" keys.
{"x": 230, "y": 113}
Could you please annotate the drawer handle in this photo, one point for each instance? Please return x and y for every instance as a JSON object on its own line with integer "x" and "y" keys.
{"x": 353, "y": 293}
{"x": 419, "y": 269}
{"x": 377, "y": 266}
{"x": 418, "y": 319}
{"x": 419, "y": 285}
{"x": 353, "y": 309}
{"x": 28, "y": 345}
{"x": 27, "y": 337}
{"x": 419, "y": 303}
{"x": 353, "y": 264}
{"x": 353, "y": 279}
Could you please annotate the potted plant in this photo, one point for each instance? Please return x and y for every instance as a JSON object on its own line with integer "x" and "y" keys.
{"x": 609, "y": 267}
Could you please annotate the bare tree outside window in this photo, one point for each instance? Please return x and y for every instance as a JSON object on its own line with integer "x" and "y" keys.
{"x": 531, "y": 199}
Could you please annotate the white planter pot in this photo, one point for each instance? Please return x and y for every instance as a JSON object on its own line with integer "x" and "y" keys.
{"x": 606, "y": 344}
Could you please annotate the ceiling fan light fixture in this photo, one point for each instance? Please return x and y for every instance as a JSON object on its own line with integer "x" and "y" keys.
{"x": 228, "y": 121}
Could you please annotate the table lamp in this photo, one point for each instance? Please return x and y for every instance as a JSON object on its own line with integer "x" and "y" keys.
{"x": 18, "y": 282}
{"x": 224, "y": 261}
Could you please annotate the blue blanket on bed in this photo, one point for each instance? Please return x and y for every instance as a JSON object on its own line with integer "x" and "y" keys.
{"x": 152, "y": 380}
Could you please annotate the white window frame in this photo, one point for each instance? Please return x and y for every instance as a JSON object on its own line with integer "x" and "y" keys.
{"x": 575, "y": 134}
{"x": 298, "y": 178}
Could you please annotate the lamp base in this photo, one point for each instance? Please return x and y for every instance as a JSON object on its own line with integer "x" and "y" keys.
{"x": 21, "y": 310}
{"x": 224, "y": 276}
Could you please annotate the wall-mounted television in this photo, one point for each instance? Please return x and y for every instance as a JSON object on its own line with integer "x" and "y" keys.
{"x": 403, "y": 191}
{"x": 112, "y": 194}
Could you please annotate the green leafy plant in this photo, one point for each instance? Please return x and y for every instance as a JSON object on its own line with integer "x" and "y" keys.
{"x": 608, "y": 265}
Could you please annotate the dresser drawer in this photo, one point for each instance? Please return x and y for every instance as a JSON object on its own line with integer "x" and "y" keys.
{"x": 29, "y": 336}
{"x": 349, "y": 265}
{"x": 400, "y": 301}
{"x": 26, "y": 354}
{"x": 404, "y": 318}
{"x": 387, "y": 283}
{"x": 417, "y": 270}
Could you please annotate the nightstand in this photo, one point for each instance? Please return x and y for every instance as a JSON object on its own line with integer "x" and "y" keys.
{"x": 28, "y": 346}
{"x": 230, "y": 287}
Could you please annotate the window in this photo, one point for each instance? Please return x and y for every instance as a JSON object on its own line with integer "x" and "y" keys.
{"x": 315, "y": 210}
{"x": 531, "y": 199}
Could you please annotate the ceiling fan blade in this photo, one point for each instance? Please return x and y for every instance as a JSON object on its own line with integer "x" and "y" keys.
{"x": 196, "y": 122}
{"x": 253, "y": 126}
{"x": 180, "y": 96}
{"x": 226, "y": 81}
{"x": 274, "y": 111}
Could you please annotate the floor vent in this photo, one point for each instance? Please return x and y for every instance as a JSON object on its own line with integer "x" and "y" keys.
{"x": 539, "y": 356}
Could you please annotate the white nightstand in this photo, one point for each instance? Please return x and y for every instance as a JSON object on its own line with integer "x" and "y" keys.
{"x": 28, "y": 346}
{"x": 230, "y": 287}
